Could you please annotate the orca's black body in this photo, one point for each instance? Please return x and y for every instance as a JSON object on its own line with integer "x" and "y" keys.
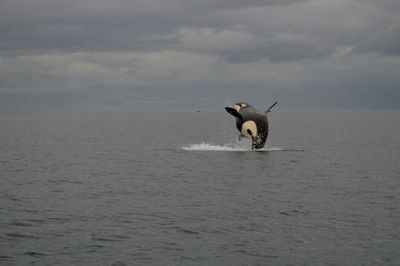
{"x": 251, "y": 123}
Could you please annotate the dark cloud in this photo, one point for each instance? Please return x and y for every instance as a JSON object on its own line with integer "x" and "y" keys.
{"x": 43, "y": 25}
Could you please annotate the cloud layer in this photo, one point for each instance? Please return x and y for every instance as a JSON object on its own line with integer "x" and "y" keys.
{"x": 177, "y": 54}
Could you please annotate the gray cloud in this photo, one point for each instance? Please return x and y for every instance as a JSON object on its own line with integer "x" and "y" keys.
{"x": 173, "y": 53}
{"x": 386, "y": 42}
{"x": 274, "y": 52}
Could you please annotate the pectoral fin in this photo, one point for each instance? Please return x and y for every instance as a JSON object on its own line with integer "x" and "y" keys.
{"x": 233, "y": 112}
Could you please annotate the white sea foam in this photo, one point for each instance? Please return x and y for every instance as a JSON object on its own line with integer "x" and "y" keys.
{"x": 239, "y": 146}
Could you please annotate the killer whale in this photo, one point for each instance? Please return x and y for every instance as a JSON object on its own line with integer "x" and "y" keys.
{"x": 251, "y": 123}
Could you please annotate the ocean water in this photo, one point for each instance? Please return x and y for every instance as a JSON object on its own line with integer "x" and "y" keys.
{"x": 180, "y": 189}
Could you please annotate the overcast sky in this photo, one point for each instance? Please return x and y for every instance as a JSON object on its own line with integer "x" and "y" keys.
{"x": 198, "y": 54}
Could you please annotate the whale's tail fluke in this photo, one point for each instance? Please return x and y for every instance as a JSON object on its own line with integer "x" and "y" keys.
{"x": 269, "y": 109}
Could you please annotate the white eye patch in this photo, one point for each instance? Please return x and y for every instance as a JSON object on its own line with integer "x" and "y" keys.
{"x": 237, "y": 107}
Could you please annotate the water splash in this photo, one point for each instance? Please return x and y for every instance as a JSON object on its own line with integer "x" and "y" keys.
{"x": 239, "y": 146}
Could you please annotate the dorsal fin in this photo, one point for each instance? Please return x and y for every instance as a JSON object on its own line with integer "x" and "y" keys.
{"x": 269, "y": 109}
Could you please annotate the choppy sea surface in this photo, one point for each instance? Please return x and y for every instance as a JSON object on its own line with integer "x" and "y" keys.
{"x": 180, "y": 189}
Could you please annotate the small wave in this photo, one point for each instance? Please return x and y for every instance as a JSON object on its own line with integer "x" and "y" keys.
{"x": 226, "y": 147}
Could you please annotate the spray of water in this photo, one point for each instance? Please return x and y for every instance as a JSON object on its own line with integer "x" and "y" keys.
{"x": 238, "y": 146}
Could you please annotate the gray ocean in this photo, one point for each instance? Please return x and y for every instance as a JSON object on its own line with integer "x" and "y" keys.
{"x": 180, "y": 189}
